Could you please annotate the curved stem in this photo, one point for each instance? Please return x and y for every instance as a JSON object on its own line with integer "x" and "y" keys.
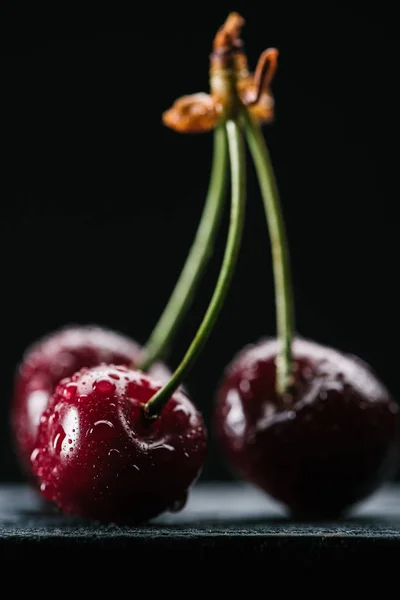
{"x": 201, "y": 250}
{"x": 280, "y": 254}
{"x": 238, "y": 194}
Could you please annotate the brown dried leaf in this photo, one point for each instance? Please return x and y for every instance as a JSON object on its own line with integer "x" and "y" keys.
{"x": 196, "y": 113}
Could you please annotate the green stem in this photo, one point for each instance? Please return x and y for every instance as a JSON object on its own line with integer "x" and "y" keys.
{"x": 201, "y": 251}
{"x": 280, "y": 255}
{"x": 238, "y": 196}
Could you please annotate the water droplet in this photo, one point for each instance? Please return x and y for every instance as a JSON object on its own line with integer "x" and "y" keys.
{"x": 136, "y": 467}
{"x": 108, "y": 423}
{"x": 34, "y": 454}
{"x": 101, "y": 430}
{"x": 114, "y": 376}
{"x": 43, "y": 487}
{"x": 69, "y": 391}
{"x": 186, "y": 455}
{"x": 70, "y": 441}
{"x": 291, "y": 415}
{"x": 162, "y": 447}
{"x": 104, "y": 386}
{"x": 58, "y": 440}
{"x": 114, "y": 453}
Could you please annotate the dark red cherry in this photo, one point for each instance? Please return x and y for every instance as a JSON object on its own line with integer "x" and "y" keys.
{"x": 321, "y": 449}
{"x": 59, "y": 355}
{"x": 97, "y": 456}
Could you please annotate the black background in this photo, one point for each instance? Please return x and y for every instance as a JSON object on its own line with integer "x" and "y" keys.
{"x": 100, "y": 202}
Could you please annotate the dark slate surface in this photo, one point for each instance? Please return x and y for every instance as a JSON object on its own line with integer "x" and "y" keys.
{"x": 229, "y": 519}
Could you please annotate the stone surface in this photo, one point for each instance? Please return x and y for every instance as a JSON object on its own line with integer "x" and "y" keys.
{"x": 219, "y": 519}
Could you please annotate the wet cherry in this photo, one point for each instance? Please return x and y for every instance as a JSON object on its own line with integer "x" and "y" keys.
{"x": 97, "y": 455}
{"x": 59, "y": 355}
{"x": 319, "y": 449}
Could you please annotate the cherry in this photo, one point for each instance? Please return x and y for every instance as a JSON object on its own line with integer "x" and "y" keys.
{"x": 99, "y": 457}
{"x": 320, "y": 448}
{"x": 59, "y": 355}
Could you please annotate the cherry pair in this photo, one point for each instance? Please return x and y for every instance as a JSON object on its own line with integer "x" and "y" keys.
{"x": 106, "y": 430}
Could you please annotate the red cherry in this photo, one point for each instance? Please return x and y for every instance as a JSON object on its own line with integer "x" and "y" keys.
{"x": 319, "y": 450}
{"x": 98, "y": 456}
{"x": 59, "y": 355}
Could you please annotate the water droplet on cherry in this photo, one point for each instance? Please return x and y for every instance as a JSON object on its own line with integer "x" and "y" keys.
{"x": 69, "y": 391}
{"x": 34, "y": 454}
{"x": 58, "y": 440}
{"x": 104, "y": 386}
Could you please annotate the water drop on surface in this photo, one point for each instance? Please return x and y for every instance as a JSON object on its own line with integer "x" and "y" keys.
{"x": 69, "y": 391}
{"x": 43, "y": 487}
{"x": 114, "y": 453}
{"x": 34, "y": 454}
{"x": 101, "y": 431}
{"x": 291, "y": 415}
{"x": 163, "y": 447}
{"x": 58, "y": 440}
{"x": 104, "y": 386}
{"x": 114, "y": 376}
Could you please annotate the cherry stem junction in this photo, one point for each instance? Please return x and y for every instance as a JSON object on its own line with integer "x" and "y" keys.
{"x": 197, "y": 259}
{"x": 237, "y": 212}
{"x": 284, "y": 305}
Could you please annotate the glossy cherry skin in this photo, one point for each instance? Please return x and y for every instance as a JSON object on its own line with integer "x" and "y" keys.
{"x": 54, "y": 357}
{"x": 318, "y": 451}
{"x": 97, "y": 456}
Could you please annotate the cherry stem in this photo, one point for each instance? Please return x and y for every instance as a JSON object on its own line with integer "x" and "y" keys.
{"x": 284, "y": 305}
{"x": 197, "y": 259}
{"x": 238, "y": 200}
